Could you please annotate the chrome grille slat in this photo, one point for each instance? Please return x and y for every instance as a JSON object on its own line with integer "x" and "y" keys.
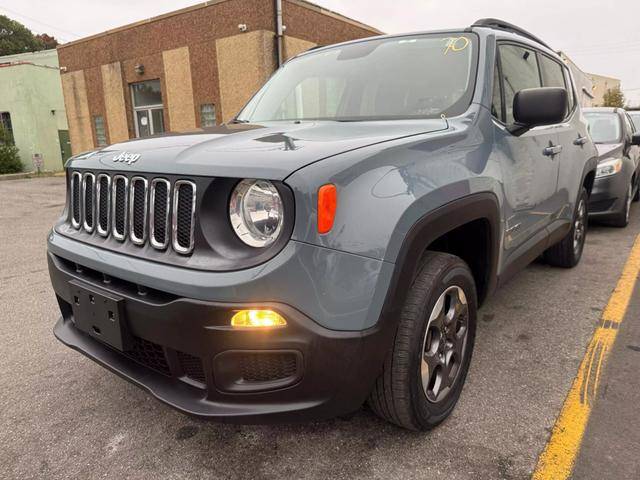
{"x": 119, "y": 210}
{"x": 76, "y": 213}
{"x": 139, "y": 209}
{"x": 88, "y": 201}
{"x": 103, "y": 204}
{"x": 183, "y": 217}
{"x": 159, "y": 212}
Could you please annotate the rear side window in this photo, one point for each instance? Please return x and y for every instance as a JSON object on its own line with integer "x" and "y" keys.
{"x": 570, "y": 90}
{"x": 628, "y": 125}
{"x": 553, "y": 75}
{"x": 551, "y": 72}
{"x": 519, "y": 71}
{"x": 496, "y": 103}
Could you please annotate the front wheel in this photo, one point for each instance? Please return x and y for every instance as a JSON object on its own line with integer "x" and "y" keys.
{"x": 424, "y": 372}
{"x": 568, "y": 251}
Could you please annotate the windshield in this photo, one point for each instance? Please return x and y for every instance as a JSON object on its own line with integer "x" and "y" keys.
{"x": 604, "y": 127}
{"x": 418, "y": 76}
{"x": 635, "y": 117}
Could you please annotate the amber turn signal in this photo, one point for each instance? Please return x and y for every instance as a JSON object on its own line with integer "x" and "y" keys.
{"x": 327, "y": 204}
{"x": 257, "y": 319}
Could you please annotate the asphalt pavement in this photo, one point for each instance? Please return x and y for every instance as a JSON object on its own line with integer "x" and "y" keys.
{"x": 62, "y": 416}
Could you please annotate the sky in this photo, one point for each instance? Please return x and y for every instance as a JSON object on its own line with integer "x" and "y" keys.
{"x": 600, "y": 37}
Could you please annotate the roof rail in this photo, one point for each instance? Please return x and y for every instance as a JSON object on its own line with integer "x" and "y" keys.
{"x": 508, "y": 27}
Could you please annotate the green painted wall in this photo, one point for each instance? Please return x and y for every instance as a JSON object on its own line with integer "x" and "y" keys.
{"x": 32, "y": 94}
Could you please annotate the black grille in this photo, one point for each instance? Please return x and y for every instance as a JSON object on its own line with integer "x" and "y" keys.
{"x": 267, "y": 367}
{"x": 160, "y": 211}
{"x": 139, "y": 208}
{"x": 88, "y": 201}
{"x": 120, "y": 206}
{"x": 127, "y": 209}
{"x": 103, "y": 205}
{"x": 75, "y": 198}
{"x": 184, "y": 212}
{"x": 149, "y": 354}
{"x": 192, "y": 367}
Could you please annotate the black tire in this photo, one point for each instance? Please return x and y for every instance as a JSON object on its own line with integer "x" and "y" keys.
{"x": 568, "y": 251}
{"x": 398, "y": 395}
{"x": 621, "y": 219}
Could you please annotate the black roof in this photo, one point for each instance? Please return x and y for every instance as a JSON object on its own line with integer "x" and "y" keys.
{"x": 508, "y": 27}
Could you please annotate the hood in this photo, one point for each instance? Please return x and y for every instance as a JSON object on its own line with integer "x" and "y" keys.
{"x": 270, "y": 151}
{"x": 609, "y": 150}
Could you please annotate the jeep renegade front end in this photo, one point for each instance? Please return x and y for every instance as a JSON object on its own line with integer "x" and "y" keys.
{"x": 332, "y": 244}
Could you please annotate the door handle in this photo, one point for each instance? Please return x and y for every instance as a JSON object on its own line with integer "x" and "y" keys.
{"x": 552, "y": 150}
{"x": 580, "y": 141}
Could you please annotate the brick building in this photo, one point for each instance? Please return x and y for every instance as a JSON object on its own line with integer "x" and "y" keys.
{"x": 187, "y": 69}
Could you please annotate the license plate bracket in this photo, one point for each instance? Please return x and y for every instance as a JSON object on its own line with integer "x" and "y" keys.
{"x": 100, "y": 315}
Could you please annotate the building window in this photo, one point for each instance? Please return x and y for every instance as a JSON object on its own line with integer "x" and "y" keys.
{"x": 101, "y": 134}
{"x": 5, "y": 124}
{"x": 207, "y": 115}
{"x": 148, "y": 111}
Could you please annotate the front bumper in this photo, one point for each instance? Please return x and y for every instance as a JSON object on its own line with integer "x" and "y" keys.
{"x": 185, "y": 354}
{"x": 608, "y": 195}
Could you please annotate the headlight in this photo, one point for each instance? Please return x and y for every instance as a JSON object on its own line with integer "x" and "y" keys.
{"x": 609, "y": 167}
{"x": 256, "y": 212}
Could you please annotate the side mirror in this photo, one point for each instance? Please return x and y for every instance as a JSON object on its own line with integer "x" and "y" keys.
{"x": 534, "y": 107}
{"x": 635, "y": 139}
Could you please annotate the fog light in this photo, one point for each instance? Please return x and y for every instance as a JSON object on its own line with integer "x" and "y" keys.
{"x": 257, "y": 319}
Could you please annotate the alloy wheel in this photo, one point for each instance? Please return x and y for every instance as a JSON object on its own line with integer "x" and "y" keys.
{"x": 627, "y": 212}
{"x": 444, "y": 344}
{"x": 579, "y": 227}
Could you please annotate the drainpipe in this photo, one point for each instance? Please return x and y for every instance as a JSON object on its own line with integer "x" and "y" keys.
{"x": 279, "y": 32}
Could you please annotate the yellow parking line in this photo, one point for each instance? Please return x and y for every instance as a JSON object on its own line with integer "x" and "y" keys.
{"x": 557, "y": 459}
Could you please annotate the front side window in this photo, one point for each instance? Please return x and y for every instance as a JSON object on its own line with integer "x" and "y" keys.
{"x": 148, "y": 110}
{"x": 519, "y": 71}
{"x": 604, "y": 127}
{"x": 422, "y": 76}
{"x": 7, "y": 128}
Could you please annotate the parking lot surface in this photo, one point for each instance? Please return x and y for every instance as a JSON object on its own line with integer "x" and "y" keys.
{"x": 63, "y": 416}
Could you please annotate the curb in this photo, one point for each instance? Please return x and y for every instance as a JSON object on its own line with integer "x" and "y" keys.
{"x": 23, "y": 175}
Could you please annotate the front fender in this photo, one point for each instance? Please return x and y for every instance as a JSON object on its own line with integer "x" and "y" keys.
{"x": 383, "y": 190}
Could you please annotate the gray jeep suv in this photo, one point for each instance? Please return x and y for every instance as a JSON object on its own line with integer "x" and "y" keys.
{"x": 332, "y": 244}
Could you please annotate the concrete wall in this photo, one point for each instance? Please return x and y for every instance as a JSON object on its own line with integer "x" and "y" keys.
{"x": 600, "y": 86}
{"x": 179, "y": 100}
{"x": 245, "y": 62}
{"x": 114, "y": 103}
{"x": 200, "y": 57}
{"x": 32, "y": 93}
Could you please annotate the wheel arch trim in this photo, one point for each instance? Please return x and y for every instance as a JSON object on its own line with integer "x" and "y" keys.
{"x": 435, "y": 224}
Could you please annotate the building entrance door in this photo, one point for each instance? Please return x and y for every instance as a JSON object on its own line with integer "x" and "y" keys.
{"x": 65, "y": 145}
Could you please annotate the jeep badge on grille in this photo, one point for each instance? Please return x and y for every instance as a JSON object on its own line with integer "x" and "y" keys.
{"x": 126, "y": 157}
